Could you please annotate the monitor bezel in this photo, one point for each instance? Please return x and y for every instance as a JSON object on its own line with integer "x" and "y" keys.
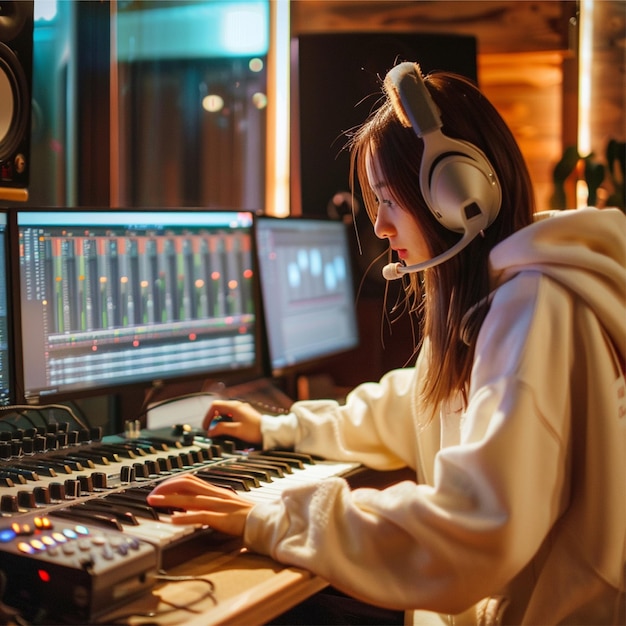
{"x": 12, "y": 344}
{"x": 121, "y": 388}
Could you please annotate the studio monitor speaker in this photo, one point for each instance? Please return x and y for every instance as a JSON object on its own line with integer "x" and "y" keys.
{"x": 16, "y": 58}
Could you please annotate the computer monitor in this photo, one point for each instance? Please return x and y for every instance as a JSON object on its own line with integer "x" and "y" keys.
{"x": 118, "y": 297}
{"x": 7, "y": 395}
{"x": 307, "y": 290}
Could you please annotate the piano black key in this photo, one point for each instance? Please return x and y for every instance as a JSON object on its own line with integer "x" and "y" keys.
{"x": 58, "y": 465}
{"x": 120, "y": 450}
{"x": 88, "y": 516}
{"x": 160, "y": 446}
{"x": 259, "y": 473}
{"x": 99, "y": 506}
{"x": 275, "y": 469}
{"x": 40, "y": 468}
{"x": 110, "y": 455}
{"x": 306, "y": 459}
{"x": 75, "y": 466}
{"x": 26, "y": 473}
{"x": 138, "y": 494}
{"x": 293, "y": 463}
{"x": 88, "y": 457}
{"x": 77, "y": 463}
{"x": 239, "y": 484}
{"x": 227, "y": 470}
{"x": 13, "y": 477}
{"x": 170, "y": 442}
{"x": 139, "y": 509}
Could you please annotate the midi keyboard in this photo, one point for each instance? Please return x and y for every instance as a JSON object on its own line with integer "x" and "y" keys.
{"x": 77, "y": 536}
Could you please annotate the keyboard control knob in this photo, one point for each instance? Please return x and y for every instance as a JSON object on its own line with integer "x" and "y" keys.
{"x": 99, "y": 480}
{"x": 127, "y": 474}
{"x": 57, "y": 491}
{"x": 8, "y": 504}
{"x": 42, "y": 495}
{"x": 26, "y": 499}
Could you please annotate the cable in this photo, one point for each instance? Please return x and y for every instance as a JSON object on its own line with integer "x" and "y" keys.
{"x": 84, "y": 417}
{"x": 162, "y": 576}
{"x": 39, "y": 407}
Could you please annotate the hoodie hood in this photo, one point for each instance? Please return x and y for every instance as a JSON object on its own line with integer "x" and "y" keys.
{"x": 584, "y": 250}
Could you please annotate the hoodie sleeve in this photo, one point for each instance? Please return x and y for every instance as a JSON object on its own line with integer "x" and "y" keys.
{"x": 357, "y": 431}
{"x": 495, "y": 494}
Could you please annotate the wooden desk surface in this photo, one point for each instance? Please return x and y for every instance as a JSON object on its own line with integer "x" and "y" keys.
{"x": 249, "y": 589}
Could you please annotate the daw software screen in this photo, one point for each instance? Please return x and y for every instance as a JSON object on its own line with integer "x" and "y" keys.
{"x": 307, "y": 289}
{"x": 116, "y": 297}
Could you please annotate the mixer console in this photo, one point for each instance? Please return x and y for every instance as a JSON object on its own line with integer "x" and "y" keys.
{"x": 77, "y": 537}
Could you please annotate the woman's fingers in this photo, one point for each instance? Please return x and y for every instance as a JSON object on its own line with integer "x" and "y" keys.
{"x": 198, "y": 503}
{"x": 202, "y": 503}
{"x": 187, "y": 483}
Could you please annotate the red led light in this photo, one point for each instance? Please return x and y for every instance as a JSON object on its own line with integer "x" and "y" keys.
{"x": 44, "y": 576}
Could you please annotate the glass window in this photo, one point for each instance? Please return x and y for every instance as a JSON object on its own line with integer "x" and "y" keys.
{"x": 186, "y": 125}
{"x": 192, "y": 105}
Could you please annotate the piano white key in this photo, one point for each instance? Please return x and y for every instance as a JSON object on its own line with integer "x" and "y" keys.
{"x": 310, "y": 474}
{"x": 160, "y": 532}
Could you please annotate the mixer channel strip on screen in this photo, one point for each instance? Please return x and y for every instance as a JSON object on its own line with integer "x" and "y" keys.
{"x": 76, "y": 524}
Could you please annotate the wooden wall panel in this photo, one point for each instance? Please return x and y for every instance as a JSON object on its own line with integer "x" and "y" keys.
{"x": 523, "y": 49}
{"x": 499, "y": 25}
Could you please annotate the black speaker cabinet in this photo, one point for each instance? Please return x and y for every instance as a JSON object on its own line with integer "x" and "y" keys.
{"x": 16, "y": 58}
{"x": 336, "y": 83}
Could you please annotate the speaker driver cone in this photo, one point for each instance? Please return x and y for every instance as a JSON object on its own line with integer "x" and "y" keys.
{"x": 13, "y": 102}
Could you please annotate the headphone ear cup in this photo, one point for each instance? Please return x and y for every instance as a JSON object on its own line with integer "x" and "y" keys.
{"x": 459, "y": 186}
{"x": 456, "y": 179}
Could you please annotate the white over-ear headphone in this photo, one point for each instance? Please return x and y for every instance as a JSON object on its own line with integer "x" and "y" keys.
{"x": 457, "y": 180}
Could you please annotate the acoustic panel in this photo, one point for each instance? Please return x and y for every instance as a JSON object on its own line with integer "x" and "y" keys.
{"x": 336, "y": 83}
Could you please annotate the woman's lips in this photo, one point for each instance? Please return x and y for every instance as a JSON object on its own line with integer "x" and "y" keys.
{"x": 402, "y": 254}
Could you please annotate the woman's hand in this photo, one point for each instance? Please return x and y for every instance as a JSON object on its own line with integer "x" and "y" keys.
{"x": 203, "y": 503}
{"x": 233, "y": 418}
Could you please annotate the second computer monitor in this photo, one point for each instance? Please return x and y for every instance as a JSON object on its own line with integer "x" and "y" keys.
{"x": 307, "y": 290}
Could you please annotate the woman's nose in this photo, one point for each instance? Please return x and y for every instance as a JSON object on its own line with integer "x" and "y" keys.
{"x": 382, "y": 227}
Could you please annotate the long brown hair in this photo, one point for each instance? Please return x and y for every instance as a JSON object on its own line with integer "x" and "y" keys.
{"x": 450, "y": 299}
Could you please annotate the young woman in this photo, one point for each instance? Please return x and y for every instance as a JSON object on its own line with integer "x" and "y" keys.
{"x": 513, "y": 417}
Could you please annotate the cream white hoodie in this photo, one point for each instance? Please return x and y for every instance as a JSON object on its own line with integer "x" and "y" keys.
{"x": 518, "y": 512}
